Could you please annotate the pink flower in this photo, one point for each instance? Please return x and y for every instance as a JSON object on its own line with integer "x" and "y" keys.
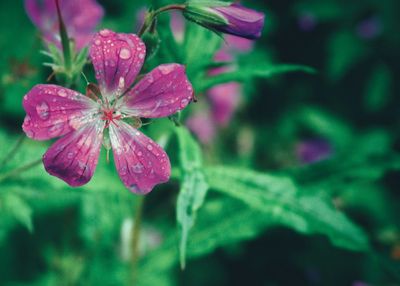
{"x": 80, "y": 17}
{"x": 225, "y": 98}
{"x": 54, "y": 111}
{"x": 203, "y": 126}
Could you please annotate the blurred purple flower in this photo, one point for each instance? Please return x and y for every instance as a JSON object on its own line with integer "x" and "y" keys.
{"x": 237, "y": 44}
{"x": 313, "y": 150}
{"x": 370, "y": 28}
{"x": 307, "y": 22}
{"x": 140, "y": 17}
{"x": 202, "y": 125}
{"x": 225, "y": 99}
{"x": 177, "y": 26}
{"x": 80, "y": 17}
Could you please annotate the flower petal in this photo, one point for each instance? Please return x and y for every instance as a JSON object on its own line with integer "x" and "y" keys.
{"x": 52, "y": 111}
{"x": 74, "y": 157}
{"x": 162, "y": 92}
{"x": 225, "y": 99}
{"x": 117, "y": 60}
{"x": 80, "y": 17}
{"x": 141, "y": 163}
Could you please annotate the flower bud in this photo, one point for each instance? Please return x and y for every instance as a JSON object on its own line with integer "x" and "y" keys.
{"x": 225, "y": 17}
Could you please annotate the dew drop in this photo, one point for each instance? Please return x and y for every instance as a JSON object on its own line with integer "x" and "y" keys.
{"x": 70, "y": 155}
{"x": 29, "y": 133}
{"x": 166, "y": 69}
{"x": 123, "y": 171}
{"x": 124, "y": 53}
{"x": 184, "y": 102}
{"x": 42, "y": 110}
{"x": 141, "y": 56}
{"x": 121, "y": 83}
{"x": 138, "y": 168}
{"x": 149, "y": 147}
{"x": 134, "y": 188}
{"x": 97, "y": 42}
{"x": 105, "y": 33}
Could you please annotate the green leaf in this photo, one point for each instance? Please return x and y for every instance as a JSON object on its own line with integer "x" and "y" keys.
{"x": 253, "y": 71}
{"x": 223, "y": 221}
{"x": 378, "y": 89}
{"x": 282, "y": 203}
{"x": 345, "y": 50}
{"x": 14, "y": 206}
{"x": 193, "y": 189}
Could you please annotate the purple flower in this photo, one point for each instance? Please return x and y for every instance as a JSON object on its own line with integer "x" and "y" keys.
{"x": 369, "y": 28}
{"x": 225, "y": 99}
{"x": 80, "y": 17}
{"x": 314, "y": 150}
{"x": 54, "y": 111}
{"x": 307, "y": 22}
{"x": 202, "y": 125}
{"x": 225, "y": 17}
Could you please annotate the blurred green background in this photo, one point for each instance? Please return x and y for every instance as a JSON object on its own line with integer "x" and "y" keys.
{"x": 268, "y": 218}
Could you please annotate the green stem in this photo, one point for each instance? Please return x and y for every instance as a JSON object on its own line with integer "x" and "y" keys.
{"x": 17, "y": 171}
{"x": 13, "y": 151}
{"x": 136, "y": 237}
{"x": 64, "y": 39}
{"x": 151, "y": 16}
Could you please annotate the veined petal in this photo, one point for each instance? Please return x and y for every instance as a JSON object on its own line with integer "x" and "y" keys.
{"x": 74, "y": 157}
{"x": 141, "y": 163}
{"x": 52, "y": 111}
{"x": 162, "y": 92}
{"x": 117, "y": 60}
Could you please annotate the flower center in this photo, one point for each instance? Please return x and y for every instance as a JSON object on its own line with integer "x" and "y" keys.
{"x": 110, "y": 116}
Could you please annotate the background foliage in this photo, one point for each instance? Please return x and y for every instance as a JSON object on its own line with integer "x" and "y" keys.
{"x": 243, "y": 208}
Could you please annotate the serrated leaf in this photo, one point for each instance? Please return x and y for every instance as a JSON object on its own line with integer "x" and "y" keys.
{"x": 284, "y": 204}
{"x": 193, "y": 189}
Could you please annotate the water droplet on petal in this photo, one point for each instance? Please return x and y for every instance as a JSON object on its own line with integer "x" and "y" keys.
{"x": 138, "y": 168}
{"x": 124, "y": 53}
{"x": 166, "y": 69}
{"x": 149, "y": 147}
{"x": 184, "y": 102}
{"x": 70, "y": 155}
{"x": 42, "y": 110}
{"x": 123, "y": 171}
{"x": 97, "y": 42}
{"x": 134, "y": 188}
{"x": 105, "y": 33}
